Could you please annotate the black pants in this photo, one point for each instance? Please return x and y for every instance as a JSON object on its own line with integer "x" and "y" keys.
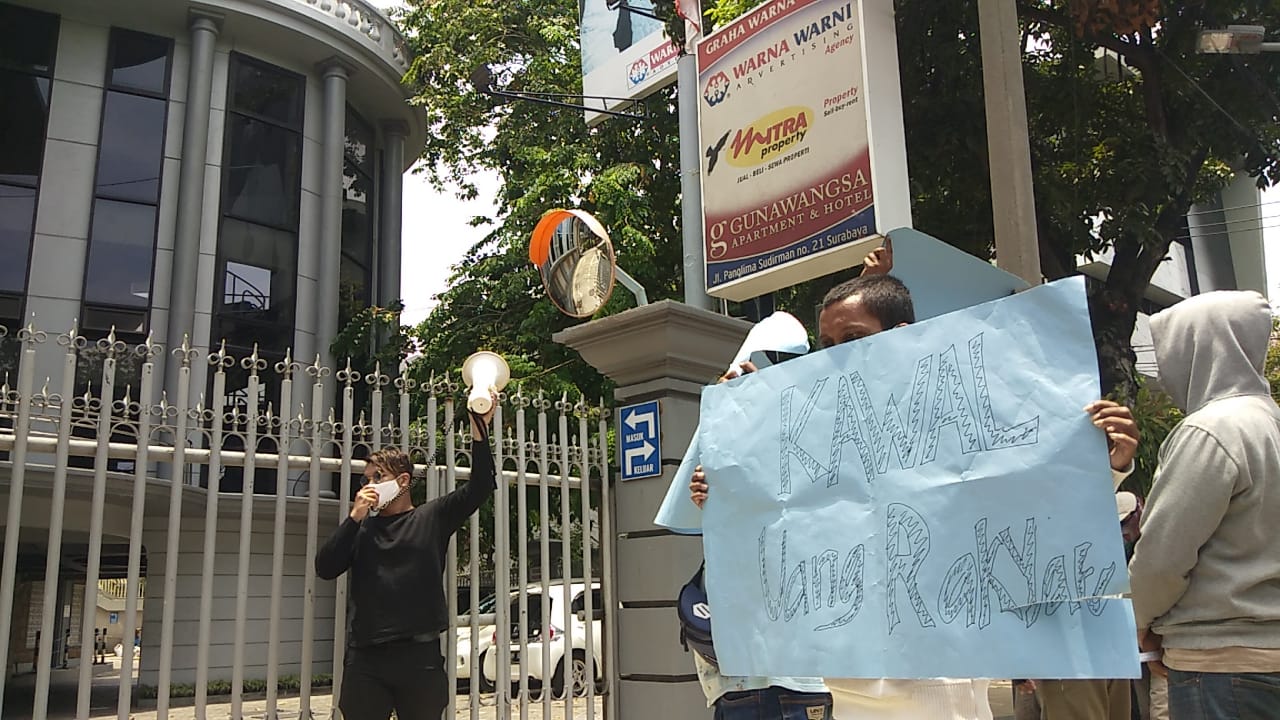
{"x": 407, "y": 677}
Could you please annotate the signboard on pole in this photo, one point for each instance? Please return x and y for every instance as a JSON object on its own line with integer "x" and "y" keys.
{"x": 625, "y": 54}
{"x": 639, "y": 441}
{"x": 793, "y": 93}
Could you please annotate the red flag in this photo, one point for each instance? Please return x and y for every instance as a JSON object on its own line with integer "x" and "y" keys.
{"x": 691, "y": 11}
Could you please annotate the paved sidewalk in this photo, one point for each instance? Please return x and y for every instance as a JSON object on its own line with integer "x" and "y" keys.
{"x": 20, "y": 690}
{"x": 321, "y": 709}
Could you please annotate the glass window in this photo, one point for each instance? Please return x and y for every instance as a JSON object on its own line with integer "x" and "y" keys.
{"x": 131, "y": 151}
{"x": 10, "y": 345}
{"x": 128, "y": 375}
{"x": 17, "y": 212}
{"x": 359, "y": 142}
{"x": 117, "y": 281}
{"x": 357, "y": 187}
{"x": 256, "y": 300}
{"x": 10, "y": 309}
{"x": 124, "y": 321}
{"x": 121, "y": 245}
{"x": 247, "y": 287}
{"x": 357, "y": 244}
{"x": 25, "y": 102}
{"x": 353, "y": 290}
{"x": 139, "y": 61}
{"x": 263, "y": 172}
{"x": 356, "y": 268}
{"x": 488, "y": 605}
{"x": 28, "y": 39}
{"x": 262, "y": 178}
{"x": 266, "y": 91}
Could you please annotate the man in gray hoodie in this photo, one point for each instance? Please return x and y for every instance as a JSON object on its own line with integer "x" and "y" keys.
{"x": 1206, "y": 571}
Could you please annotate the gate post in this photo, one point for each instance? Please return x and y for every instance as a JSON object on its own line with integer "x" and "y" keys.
{"x": 666, "y": 351}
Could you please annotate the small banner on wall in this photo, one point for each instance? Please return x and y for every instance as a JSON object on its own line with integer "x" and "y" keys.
{"x": 625, "y": 52}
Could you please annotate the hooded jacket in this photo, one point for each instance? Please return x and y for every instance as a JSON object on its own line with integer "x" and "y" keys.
{"x": 1206, "y": 571}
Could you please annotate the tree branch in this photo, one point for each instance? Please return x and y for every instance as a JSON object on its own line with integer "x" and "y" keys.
{"x": 1137, "y": 55}
{"x": 1053, "y": 261}
{"x": 1168, "y": 222}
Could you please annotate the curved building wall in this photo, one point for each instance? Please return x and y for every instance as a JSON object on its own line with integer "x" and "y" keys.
{"x": 226, "y": 169}
{"x": 285, "y": 220}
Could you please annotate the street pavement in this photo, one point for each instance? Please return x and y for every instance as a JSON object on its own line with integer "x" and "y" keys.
{"x": 20, "y": 690}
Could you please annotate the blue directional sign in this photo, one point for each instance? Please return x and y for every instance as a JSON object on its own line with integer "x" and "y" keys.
{"x": 639, "y": 447}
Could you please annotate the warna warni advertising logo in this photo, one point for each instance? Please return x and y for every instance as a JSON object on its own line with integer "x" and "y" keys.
{"x": 770, "y": 136}
{"x": 638, "y": 71}
{"x": 717, "y": 89}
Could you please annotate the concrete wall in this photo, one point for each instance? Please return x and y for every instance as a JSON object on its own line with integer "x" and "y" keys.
{"x": 226, "y": 567}
{"x": 66, "y": 184}
{"x": 117, "y": 519}
{"x": 665, "y": 351}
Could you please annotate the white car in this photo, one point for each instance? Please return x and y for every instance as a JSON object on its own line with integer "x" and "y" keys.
{"x": 552, "y": 628}
{"x": 483, "y": 638}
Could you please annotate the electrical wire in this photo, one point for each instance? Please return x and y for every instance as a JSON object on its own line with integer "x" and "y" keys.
{"x": 1201, "y": 236}
{"x": 1236, "y": 207}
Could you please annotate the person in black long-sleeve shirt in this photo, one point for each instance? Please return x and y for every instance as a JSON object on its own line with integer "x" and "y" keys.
{"x": 394, "y": 554}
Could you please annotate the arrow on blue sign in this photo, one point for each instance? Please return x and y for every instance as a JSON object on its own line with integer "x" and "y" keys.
{"x": 638, "y": 418}
{"x": 639, "y": 453}
{"x": 639, "y": 444}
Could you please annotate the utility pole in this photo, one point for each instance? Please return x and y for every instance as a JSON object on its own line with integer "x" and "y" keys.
{"x": 695, "y": 281}
{"x": 1013, "y": 201}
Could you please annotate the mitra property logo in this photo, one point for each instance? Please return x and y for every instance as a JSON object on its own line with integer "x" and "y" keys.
{"x": 770, "y": 136}
{"x": 638, "y": 71}
{"x": 717, "y": 89}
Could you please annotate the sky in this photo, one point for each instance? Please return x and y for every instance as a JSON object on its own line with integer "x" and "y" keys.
{"x": 436, "y": 235}
{"x": 436, "y": 232}
{"x": 1271, "y": 242}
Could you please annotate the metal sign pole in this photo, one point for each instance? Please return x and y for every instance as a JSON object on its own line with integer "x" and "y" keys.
{"x": 695, "y": 282}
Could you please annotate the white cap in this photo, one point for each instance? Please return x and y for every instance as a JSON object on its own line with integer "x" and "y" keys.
{"x": 1126, "y": 503}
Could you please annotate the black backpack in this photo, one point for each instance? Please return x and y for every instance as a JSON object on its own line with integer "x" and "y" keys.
{"x": 695, "y": 617}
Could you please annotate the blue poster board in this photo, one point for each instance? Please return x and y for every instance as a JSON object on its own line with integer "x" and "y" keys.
{"x": 931, "y": 501}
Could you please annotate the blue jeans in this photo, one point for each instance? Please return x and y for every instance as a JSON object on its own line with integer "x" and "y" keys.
{"x": 773, "y": 703}
{"x": 1223, "y": 696}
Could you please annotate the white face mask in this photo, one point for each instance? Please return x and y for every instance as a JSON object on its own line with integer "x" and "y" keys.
{"x": 388, "y": 490}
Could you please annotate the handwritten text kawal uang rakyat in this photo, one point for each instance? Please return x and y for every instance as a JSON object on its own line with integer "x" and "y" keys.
{"x": 951, "y": 404}
{"x": 829, "y": 590}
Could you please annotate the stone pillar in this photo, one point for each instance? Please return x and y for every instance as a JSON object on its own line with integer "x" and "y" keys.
{"x": 334, "y": 124}
{"x": 668, "y": 351}
{"x": 191, "y": 177}
{"x": 392, "y": 197}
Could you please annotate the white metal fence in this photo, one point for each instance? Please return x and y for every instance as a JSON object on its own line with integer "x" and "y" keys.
{"x": 265, "y": 462}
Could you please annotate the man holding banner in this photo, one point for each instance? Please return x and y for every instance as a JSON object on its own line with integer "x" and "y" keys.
{"x": 858, "y": 309}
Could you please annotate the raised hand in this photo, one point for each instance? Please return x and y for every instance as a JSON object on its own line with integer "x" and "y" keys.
{"x": 880, "y": 260}
{"x": 698, "y": 487}
{"x": 366, "y": 500}
{"x": 1117, "y": 422}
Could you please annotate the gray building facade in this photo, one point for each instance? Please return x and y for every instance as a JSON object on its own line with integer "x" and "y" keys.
{"x": 212, "y": 172}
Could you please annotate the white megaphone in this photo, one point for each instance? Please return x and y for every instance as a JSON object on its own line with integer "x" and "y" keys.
{"x": 483, "y": 372}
